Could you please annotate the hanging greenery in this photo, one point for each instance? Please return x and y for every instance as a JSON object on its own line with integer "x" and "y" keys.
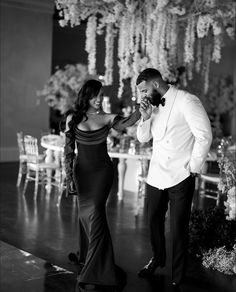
{"x": 153, "y": 33}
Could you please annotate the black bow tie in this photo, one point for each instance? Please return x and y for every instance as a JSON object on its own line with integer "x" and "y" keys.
{"x": 163, "y": 101}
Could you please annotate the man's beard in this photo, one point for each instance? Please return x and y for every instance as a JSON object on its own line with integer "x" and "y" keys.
{"x": 155, "y": 98}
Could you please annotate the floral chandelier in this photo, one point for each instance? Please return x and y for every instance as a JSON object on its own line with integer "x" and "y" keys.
{"x": 162, "y": 34}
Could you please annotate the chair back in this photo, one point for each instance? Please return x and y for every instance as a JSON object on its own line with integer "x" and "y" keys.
{"x": 20, "y": 142}
{"x": 31, "y": 148}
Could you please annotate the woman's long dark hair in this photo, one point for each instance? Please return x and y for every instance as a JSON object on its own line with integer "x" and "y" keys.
{"x": 89, "y": 90}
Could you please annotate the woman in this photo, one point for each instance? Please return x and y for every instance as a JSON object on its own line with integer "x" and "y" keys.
{"x": 91, "y": 171}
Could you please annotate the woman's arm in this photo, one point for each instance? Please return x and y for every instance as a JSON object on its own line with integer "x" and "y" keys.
{"x": 144, "y": 133}
{"x": 69, "y": 154}
{"x": 120, "y": 123}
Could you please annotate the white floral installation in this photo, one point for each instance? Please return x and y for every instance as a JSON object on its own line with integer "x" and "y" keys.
{"x": 148, "y": 31}
{"x": 60, "y": 90}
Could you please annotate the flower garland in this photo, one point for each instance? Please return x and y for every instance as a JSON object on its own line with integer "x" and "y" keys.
{"x": 159, "y": 24}
{"x": 90, "y": 45}
{"x": 109, "y": 41}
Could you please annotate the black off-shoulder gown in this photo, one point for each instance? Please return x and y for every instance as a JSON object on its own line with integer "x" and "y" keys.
{"x": 92, "y": 172}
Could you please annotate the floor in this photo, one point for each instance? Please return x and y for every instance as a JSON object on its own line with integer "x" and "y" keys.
{"x": 37, "y": 234}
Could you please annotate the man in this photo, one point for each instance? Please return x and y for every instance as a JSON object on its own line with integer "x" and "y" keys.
{"x": 181, "y": 132}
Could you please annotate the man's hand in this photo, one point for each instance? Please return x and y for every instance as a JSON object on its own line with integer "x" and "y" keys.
{"x": 145, "y": 109}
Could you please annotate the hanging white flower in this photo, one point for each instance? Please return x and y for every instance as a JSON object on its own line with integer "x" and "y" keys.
{"x": 230, "y": 204}
{"x": 203, "y": 25}
{"x": 149, "y": 30}
{"x": 216, "y": 54}
{"x": 109, "y": 42}
{"x": 230, "y": 31}
{"x": 163, "y": 63}
{"x": 198, "y": 62}
{"x": 125, "y": 58}
{"x": 207, "y": 61}
{"x": 90, "y": 45}
{"x": 158, "y": 25}
{"x": 189, "y": 40}
{"x": 177, "y": 10}
{"x": 216, "y": 28}
{"x": 173, "y": 41}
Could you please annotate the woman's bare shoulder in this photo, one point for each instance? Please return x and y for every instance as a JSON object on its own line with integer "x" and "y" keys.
{"x": 109, "y": 118}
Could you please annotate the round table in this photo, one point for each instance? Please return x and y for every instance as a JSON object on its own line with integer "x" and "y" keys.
{"x": 54, "y": 145}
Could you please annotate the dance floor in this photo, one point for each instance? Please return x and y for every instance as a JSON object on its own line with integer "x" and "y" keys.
{"x": 37, "y": 234}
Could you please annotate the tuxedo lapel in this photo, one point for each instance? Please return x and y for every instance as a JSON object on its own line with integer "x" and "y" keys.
{"x": 163, "y": 115}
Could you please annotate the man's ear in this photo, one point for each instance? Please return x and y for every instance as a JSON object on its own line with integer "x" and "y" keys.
{"x": 156, "y": 83}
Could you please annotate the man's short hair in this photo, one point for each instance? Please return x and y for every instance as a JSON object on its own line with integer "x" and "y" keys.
{"x": 148, "y": 75}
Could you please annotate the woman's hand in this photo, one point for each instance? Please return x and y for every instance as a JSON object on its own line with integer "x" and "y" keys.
{"x": 145, "y": 109}
{"x": 72, "y": 187}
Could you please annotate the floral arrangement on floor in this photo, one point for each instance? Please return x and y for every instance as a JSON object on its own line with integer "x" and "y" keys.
{"x": 221, "y": 259}
{"x": 149, "y": 31}
{"x": 60, "y": 90}
{"x": 227, "y": 184}
{"x": 213, "y": 238}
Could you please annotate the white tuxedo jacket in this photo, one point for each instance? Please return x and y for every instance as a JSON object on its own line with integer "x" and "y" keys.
{"x": 182, "y": 136}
